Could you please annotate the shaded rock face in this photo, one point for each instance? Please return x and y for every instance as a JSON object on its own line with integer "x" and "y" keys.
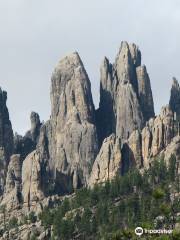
{"x": 125, "y": 94}
{"x": 6, "y": 139}
{"x": 132, "y": 152}
{"x": 12, "y": 195}
{"x": 74, "y": 144}
{"x": 26, "y": 144}
{"x": 145, "y": 93}
{"x": 108, "y": 162}
{"x": 35, "y": 126}
{"x": 175, "y": 98}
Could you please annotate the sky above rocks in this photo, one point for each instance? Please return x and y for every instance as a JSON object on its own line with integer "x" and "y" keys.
{"x": 34, "y": 35}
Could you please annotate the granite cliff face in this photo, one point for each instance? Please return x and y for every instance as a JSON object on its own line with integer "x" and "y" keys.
{"x": 32, "y": 179}
{"x": 126, "y": 101}
{"x": 143, "y": 146}
{"x": 12, "y": 193}
{"x": 24, "y": 145}
{"x": 73, "y": 122}
{"x": 175, "y": 98}
{"x": 108, "y": 162}
{"x": 80, "y": 146}
{"x": 6, "y": 139}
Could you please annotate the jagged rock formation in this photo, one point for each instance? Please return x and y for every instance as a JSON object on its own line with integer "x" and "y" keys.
{"x": 175, "y": 98}
{"x": 26, "y": 144}
{"x": 132, "y": 152}
{"x": 173, "y": 148}
{"x": 73, "y": 123}
{"x": 145, "y": 93}
{"x": 125, "y": 94}
{"x": 6, "y": 139}
{"x": 57, "y": 156}
{"x": 12, "y": 195}
{"x": 32, "y": 179}
{"x": 141, "y": 147}
{"x": 64, "y": 154}
{"x": 108, "y": 162}
{"x": 35, "y": 126}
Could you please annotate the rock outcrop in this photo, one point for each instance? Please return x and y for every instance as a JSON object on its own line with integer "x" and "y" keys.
{"x": 175, "y": 98}
{"x": 26, "y": 144}
{"x": 143, "y": 146}
{"x": 32, "y": 179}
{"x": 12, "y": 194}
{"x": 74, "y": 144}
{"x": 108, "y": 162}
{"x": 79, "y": 146}
{"x": 132, "y": 152}
{"x": 35, "y": 126}
{"x": 126, "y": 101}
{"x": 139, "y": 149}
{"x": 6, "y": 139}
{"x": 145, "y": 93}
{"x": 173, "y": 148}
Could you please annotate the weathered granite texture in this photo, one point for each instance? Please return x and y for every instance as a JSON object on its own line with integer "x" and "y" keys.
{"x": 108, "y": 162}
{"x": 6, "y": 139}
{"x": 126, "y": 101}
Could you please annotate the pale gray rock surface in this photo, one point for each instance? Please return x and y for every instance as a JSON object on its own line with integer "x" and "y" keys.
{"x": 108, "y": 162}
{"x": 74, "y": 143}
{"x": 64, "y": 154}
{"x": 126, "y": 101}
{"x": 145, "y": 93}
{"x": 142, "y": 146}
{"x": 132, "y": 152}
{"x": 173, "y": 148}
{"x": 31, "y": 179}
{"x": 12, "y": 195}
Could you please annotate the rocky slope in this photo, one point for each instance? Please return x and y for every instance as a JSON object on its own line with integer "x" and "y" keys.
{"x": 80, "y": 146}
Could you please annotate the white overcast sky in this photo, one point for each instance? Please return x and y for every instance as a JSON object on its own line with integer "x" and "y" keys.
{"x": 35, "y": 34}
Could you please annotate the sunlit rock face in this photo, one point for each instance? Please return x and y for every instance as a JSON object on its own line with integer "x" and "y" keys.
{"x": 142, "y": 146}
{"x": 126, "y": 101}
{"x": 74, "y": 142}
{"x": 108, "y": 162}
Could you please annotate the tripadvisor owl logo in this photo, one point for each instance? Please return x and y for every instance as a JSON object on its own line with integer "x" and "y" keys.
{"x": 139, "y": 231}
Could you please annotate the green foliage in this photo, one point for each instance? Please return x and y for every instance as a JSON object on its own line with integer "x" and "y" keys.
{"x": 47, "y": 217}
{"x": 64, "y": 229}
{"x": 114, "y": 209}
{"x": 24, "y": 220}
{"x": 34, "y": 237}
{"x": 13, "y": 223}
{"x": 172, "y": 168}
{"x": 176, "y": 235}
{"x": 158, "y": 193}
{"x": 32, "y": 217}
{"x": 165, "y": 209}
